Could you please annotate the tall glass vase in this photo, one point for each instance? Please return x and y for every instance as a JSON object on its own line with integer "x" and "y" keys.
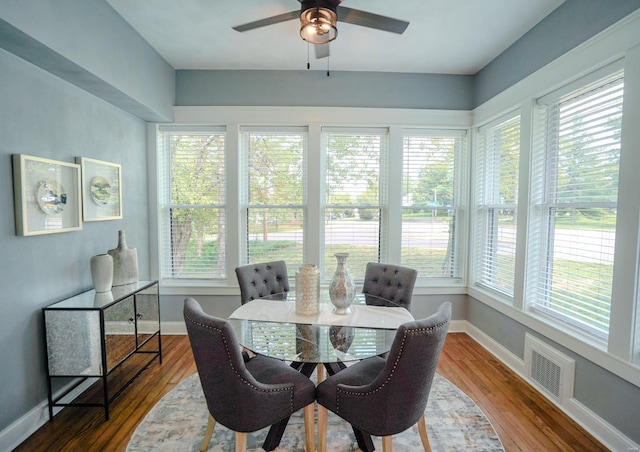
{"x": 341, "y": 289}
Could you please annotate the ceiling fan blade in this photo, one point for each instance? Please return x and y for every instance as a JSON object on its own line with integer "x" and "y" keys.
{"x": 268, "y": 21}
{"x": 365, "y": 19}
{"x": 322, "y": 50}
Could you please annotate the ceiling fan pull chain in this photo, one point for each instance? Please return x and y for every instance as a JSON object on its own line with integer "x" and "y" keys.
{"x": 308, "y": 64}
{"x": 328, "y": 66}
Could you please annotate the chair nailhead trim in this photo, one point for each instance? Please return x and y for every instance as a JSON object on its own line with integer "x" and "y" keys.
{"x": 395, "y": 365}
{"x": 235, "y": 371}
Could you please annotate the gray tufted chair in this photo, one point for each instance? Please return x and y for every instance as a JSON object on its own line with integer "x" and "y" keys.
{"x": 381, "y": 396}
{"x": 389, "y": 285}
{"x": 260, "y": 280}
{"x": 243, "y": 397}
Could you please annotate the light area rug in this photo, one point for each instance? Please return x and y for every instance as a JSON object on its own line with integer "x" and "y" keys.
{"x": 178, "y": 423}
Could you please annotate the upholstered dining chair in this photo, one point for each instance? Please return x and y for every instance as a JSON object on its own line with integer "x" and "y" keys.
{"x": 244, "y": 396}
{"x": 260, "y": 280}
{"x": 383, "y": 397}
{"x": 389, "y": 285}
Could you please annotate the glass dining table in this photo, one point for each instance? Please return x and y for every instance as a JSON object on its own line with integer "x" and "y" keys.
{"x": 270, "y": 326}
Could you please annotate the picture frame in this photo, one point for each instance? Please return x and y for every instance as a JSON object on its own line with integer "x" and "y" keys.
{"x": 46, "y": 195}
{"x": 101, "y": 189}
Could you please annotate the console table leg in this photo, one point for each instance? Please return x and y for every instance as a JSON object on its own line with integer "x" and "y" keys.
{"x": 105, "y": 389}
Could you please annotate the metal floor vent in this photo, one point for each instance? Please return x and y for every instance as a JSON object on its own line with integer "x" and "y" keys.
{"x": 548, "y": 369}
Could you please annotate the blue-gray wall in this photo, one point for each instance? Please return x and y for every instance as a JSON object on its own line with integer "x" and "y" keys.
{"x": 85, "y": 42}
{"x": 570, "y": 24}
{"x": 315, "y": 89}
{"x": 75, "y": 80}
{"x": 44, "y": 116}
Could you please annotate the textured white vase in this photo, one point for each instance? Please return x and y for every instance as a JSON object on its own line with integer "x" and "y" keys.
{"x": 341, "y": 289}
{"x": 308, "y": 290}
{"x": 102, "y": 272}
{"x": 125, "y": 262}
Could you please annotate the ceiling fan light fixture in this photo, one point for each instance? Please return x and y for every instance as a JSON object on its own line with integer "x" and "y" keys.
{"x": 318, "y": 25}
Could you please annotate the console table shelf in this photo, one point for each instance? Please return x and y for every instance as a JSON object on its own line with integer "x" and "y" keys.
{"x": 92, "y": 334}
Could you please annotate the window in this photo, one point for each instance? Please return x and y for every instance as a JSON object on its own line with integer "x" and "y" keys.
{"x": 574, "y": 189}
{"x": 431, "y": 195}
{"x": 354, "y": 196}
{"x": 192, "y": 203}
{"x": 496, "y": 194}
{"x": 273, "y": 197}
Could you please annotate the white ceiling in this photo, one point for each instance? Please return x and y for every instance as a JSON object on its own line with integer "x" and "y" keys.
{"x": 444, "y": 36}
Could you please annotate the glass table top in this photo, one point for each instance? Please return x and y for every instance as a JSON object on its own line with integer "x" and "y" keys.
{"x": 314, "y": 339}
{"x": 312, "y": 343}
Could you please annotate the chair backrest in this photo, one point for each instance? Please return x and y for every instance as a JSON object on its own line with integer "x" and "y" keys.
{"x": 231, "y": 391}
{"x": 390, "y": 285}
{"x": 261, "y": 280}
{"x": 397, "y": 397}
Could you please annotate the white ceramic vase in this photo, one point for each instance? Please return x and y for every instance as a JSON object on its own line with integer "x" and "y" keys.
{"x": 308, "y": 290}
{"x": 102, "y": 272}
{"x": 341, "y": 289}
{"x": 125, "y": 262}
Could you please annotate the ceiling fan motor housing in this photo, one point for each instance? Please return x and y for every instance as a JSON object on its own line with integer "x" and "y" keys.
{"x": 318, "y": 20}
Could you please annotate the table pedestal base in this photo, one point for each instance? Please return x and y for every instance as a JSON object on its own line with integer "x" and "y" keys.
{"x": 276, "y": 431}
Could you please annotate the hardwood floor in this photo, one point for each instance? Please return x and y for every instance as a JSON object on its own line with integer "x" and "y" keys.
{"x": 524, "y": 420}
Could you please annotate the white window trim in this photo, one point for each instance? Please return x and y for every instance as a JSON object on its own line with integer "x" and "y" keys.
{"x": 620, "y": 40}
{"x": 478, "y": 243}
{"x": 233, "y": 118}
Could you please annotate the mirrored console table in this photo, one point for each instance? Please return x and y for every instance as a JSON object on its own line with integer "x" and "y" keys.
{"x": 111, "y": 337}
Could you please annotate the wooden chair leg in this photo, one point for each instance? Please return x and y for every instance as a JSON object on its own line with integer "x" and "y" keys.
{"x": 320, "y": 373}
{"x": 309, "y": 428}
{"x": 241, "y": 442}
{"x": 387, "y": 445}
{"x": 322, "y": 428}
{"x": 422, "y": 428}
{"x": 211, "y": 424}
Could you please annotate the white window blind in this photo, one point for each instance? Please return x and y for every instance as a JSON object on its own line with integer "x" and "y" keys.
{"x": 192, "y": 203}
{"x": 354, "y": 202}
{"x": 431, "y": 188}
{"x": 574, "y": 198}
{"x": 273, "y": 184}
{"x": 496, "y": 194}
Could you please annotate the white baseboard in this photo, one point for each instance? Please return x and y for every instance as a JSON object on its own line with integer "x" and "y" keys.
{"x": 509, "y": 359}
{"x": 598, "y": 427}
{"x": 173, "y": 328}
{"x": 12, "y": 436}
{"x": 613, "y": 439}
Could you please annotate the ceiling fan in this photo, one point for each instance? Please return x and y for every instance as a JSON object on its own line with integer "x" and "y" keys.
{"x": 318, "y": 19}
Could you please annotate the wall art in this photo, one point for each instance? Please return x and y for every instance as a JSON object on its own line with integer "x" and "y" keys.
{"x": 101, "y": 189}
{"x": 46, "y": 195}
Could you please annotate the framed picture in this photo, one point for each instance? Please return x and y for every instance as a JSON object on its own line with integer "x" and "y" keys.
{"x": 101, "y": 189}
{"x": 47, "y": 195}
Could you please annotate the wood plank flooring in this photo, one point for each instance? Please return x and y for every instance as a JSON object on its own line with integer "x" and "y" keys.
{"x": 524, "y": 420}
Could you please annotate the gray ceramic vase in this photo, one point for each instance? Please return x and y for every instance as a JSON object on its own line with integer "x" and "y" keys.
{"x": 125, "y": 262}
